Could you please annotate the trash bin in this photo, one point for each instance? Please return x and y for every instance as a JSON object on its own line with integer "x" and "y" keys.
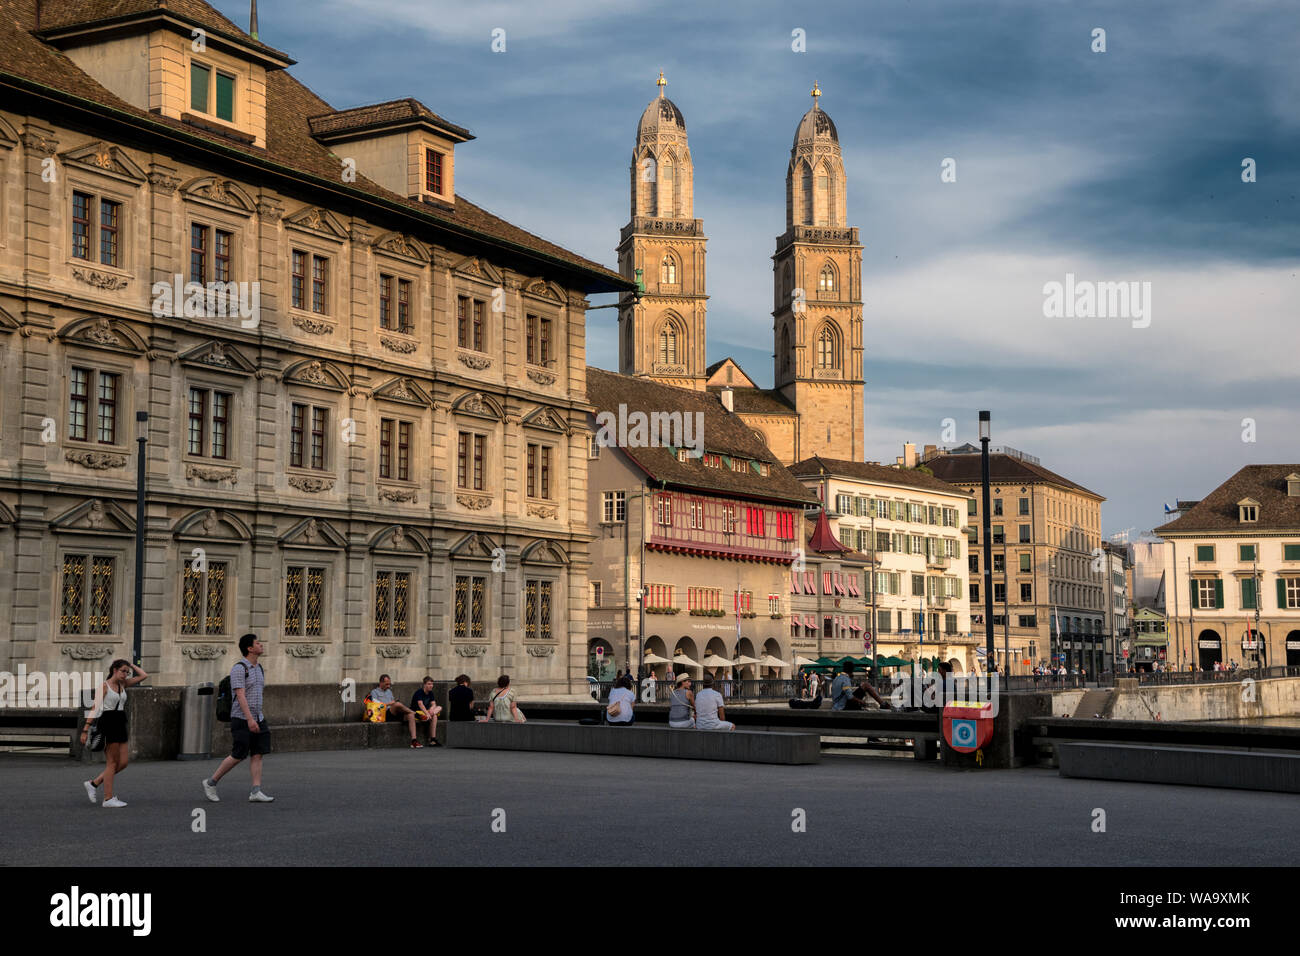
{"x": 197, "y": 712}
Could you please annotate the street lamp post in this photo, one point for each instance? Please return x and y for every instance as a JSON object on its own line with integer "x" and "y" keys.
{"x": 875, "y": 659}
{"x": 142, "y": 439}
{"x": 985, "y": 426}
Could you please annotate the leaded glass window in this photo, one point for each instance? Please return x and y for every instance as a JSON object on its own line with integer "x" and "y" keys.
{"x": 392, "y": 590}
{"x": 87, "y": 594}
{"x": 203, "y": 599}
{"x": 304, "y": 599}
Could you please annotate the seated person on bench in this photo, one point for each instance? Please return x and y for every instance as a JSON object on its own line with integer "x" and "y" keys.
{"x": 426, "y": 709}
{"x": 681, "y": 705}
{"x": 394, "y": 710}
{"x": 621, "y": 700}
{"x": 709, "y": 711}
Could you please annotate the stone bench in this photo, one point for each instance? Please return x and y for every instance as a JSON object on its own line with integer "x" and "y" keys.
{"x": 745, "y": 746}
{"x": 1195, "y": 766}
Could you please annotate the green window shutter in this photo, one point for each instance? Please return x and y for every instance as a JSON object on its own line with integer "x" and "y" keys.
{"x": 225, "y": 97}
{"x": 1281, "y": 592}
{"x": 1196, "y": 596}
{"x": 1218, "y": 592}
{"x": 1248, "y": 595}
{"x": 1205, "y": 552}
{"x": 1291, "y": 552}
{"x": 199, "y": 77}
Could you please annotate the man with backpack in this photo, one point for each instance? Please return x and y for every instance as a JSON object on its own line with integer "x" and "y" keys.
{"x": 242, "y": 692}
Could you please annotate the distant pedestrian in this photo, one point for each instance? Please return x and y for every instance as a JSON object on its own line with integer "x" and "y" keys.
{"x": 710, "y": 712}
{"x": 249, "y": 732}
{"x": 649, "y": 689}
{"x": 110, "y": 712}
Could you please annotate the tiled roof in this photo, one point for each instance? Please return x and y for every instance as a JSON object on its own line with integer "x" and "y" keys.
{"x": 861, "y": 470}
{"x": 756, "y": 401}
{"x": 843, "y": 553}
{"x": 723, "y": 433}
{"x": 380, "y": 114}
{"x": 290, "y": 146}
{"x": 61, "y": 14}
{"x": 965, "y": 469}
{"x": 1218, "y": 511}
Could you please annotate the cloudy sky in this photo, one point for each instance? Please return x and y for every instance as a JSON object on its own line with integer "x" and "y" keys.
{"x": 1117, "y": 166}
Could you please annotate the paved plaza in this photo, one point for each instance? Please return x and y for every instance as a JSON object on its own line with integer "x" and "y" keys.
{"x": 396, "y": 806}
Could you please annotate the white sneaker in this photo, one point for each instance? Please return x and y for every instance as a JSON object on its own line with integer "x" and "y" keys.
{"x": 257, "y": 796}
{"x": 210, "y": 791}
{"x": 90, "y": 791}
{"x": 113, "y": 802}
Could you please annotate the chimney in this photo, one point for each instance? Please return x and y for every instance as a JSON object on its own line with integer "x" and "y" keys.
{"x": 252, "y": 21}
{"x": 729, "y": 399}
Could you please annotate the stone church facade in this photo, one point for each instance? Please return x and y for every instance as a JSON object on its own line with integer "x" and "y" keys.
{"x": 380, "y": 466}
{"x": 816, "y": 406}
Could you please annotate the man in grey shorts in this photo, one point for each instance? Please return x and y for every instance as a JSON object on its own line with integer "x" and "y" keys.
{"x": 249, "y": 732}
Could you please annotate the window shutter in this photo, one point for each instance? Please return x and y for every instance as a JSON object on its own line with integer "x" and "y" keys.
{"x": 1196, "y": 596}
{"x": 1218, "y": 592}
{"x": 1281, "y": 592}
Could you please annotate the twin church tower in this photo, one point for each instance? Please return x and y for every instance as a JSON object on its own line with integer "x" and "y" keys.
{"x": 815, "y": 407}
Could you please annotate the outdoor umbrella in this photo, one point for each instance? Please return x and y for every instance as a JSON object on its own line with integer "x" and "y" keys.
{"x": 684, "y": 661}
{"x": 742, "y": 660}
{"x": 770, "y": 661}
{"x": 656, "y": 659}
{"x": 713, "y": 660}
{"x": 804, "y": 662}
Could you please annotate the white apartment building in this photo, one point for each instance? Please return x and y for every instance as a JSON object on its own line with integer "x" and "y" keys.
{"x": 911, "y": 524}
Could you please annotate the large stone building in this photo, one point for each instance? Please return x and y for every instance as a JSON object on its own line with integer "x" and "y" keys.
{"x": 1049, "y": 585}
{"x": 1233, "y": 575}
{"x": 699, "y": 533}
{"x": 911, "y": 525}
{"x": 377, "y": 462}
{"x": 816, "y": 406}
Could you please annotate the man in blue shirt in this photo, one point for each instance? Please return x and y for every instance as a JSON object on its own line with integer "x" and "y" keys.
{"x": 842, "y": 687}
{"x": 394, "y": 709}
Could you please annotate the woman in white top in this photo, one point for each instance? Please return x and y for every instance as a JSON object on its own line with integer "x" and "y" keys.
{"x": 709, "y": 709}
{"x": 502, "y": 706}
{"x": 621, "y": 701}
{"x": 110, "y": 712}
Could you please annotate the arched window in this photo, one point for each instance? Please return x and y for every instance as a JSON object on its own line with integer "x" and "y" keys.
{"x": 787, "y": 282}
{"x": 668, "y": 344}
{"x": 826, "y": 281}
{"x": 807, "y": 217}
{"x": 785, "y": 349}
{"x": 668, "y": 270}
{"x": 828, "y": 353}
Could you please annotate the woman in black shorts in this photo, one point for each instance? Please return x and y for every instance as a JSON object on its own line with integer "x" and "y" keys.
{"x": 111, "y": 711}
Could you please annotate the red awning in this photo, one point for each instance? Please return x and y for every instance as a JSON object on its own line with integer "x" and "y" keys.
{"x": 823, "y": 539}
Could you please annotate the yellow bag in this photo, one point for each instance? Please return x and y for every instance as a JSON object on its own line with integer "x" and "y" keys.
{"x": 375, "y": 711}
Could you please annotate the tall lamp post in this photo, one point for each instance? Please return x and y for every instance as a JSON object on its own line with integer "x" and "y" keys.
{"x": 142, "y": 439}
{"x": 985, "y": 427}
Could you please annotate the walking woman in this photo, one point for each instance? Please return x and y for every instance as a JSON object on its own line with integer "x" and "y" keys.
{"x": 110, "y": 709}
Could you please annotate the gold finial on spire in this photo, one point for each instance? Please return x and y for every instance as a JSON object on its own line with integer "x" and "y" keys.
{"x": 816, "y": 92}
{"x": 661, "y": 83}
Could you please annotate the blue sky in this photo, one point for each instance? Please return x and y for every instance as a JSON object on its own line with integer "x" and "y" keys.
{"x": 1115, "y": 166}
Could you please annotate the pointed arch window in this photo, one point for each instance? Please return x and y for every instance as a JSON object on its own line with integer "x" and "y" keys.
{"x": 785, "y": 349}
{"x": 807, "y": 196}
{"x": 668, "y": 344}
{"x": 828, "y": 353}
{"x": 826, "y": 280}
{"x": 668, "y": 270}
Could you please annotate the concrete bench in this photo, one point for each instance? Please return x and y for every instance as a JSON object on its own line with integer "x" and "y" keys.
{"x": 745, "y": 746}
{"x": 1195, "y": 766}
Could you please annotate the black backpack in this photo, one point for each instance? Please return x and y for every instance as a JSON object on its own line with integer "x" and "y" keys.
{"x": 226, "y": 697}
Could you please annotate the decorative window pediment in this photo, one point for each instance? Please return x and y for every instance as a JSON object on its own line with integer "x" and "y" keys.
{"x": 312, "y": 533}
{"x": 6, "y": 515}
{"x": 545, "y": 419}
{"x": 1248, "y": 510}
{"x": 477, "y": 268}
{"x": 7, "y": 322}
{"x": 8, "y": 135}
{"x": 94, "y": 516}
{"x": 214, "y": 191}
{"x": 107, "y": 159}
{"x": 322, "y": 222}
{"x": 101, "y": 332}
{"x": 402, "y": 390}
{"x": 544, "y": 552}
{"x": 478, "y": 405}
{"x": 539, "y": 288}
{"x": 317, "y": 373}
{"x": 404, "y": 247}
{"x": 474, "y": 545}
{"x": 219, "y": 357}
{"x": 211, "y": 523}
{"x": 399, "y": 539}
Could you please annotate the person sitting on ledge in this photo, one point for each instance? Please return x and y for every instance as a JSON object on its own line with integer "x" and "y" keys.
{"x": 460, "y": 700}
{"x": 710, "y": 714}
{"x": 502, "y": 706}
{"x": 394, "y": 709}
{"x": 427, "y": 709}
{"x": 618, "y": 712}
{"x": 681, "y": 708}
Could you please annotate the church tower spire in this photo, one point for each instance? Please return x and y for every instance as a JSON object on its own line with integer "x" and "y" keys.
{"x": 817, "y": 296}
{"x": 662, "y": 336}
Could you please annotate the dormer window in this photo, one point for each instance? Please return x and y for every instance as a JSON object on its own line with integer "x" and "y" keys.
{"x": 212, "y": 92}
{"x": 1248, "y": 510}
{"x": 433, "y": 171}
{"x": 1293, "y": 485}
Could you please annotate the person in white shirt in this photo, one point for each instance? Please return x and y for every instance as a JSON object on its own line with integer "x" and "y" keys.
{"x": 622, "y": 700}
{"x": 649, "y": 688}
{"x": 710, "y": 713}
